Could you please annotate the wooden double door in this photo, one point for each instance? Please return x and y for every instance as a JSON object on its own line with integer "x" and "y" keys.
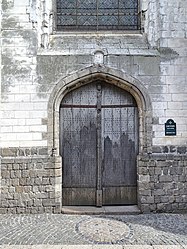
{"x": 99, "y": 145}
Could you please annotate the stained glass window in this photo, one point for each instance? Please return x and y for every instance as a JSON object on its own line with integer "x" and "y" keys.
{"x": 97, "y": 15}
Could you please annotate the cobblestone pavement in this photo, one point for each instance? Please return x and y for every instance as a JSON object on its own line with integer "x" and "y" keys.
{"x": 101, "y": 231}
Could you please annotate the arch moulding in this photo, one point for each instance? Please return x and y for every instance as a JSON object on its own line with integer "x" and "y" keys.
{"x": 111, "y": 76}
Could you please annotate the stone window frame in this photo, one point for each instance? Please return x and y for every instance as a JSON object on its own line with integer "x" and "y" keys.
{"x": 47, "y": 22}
{"x": 142, "y": 5}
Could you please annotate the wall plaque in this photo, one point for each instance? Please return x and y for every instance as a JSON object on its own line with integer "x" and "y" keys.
{"x": 170, "y": 128}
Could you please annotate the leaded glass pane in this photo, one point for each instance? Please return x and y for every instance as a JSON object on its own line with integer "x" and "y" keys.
{"x": 87, "y": 20}
{"x": 87, "y": 4}
{"x": 109, "y": 4}
{"x": 97, "y": 15}
{"x": 129, "y": 4}
{"x": 67, "y": 4}
{"x": 107, "y": 20}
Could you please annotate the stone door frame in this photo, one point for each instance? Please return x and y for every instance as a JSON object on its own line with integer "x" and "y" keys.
{"x": 86, "y": 76}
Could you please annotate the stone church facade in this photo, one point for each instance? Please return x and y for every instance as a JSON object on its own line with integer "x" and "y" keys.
{"x": 55, "y": 73}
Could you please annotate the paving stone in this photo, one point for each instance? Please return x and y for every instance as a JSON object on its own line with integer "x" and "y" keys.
{"x": 102, "y": 230}
{"x": 77, "y": 247}
{"x": 92, "y": 247}
{"x": 39, "y": 231}
{"x": 137, "y": 247}
{"x": 107, "y": 247}
{"x": 167, "y": 247}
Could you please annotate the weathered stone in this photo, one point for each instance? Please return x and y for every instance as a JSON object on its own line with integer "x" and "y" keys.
{"x": 38, "y": 181}
{"x": 43, "y": 151}
{"x": 48, "y": 202}
{"x": 165, "y": 178}
{"x": 23, "y": 181}
{"x": 181, "y": 150}
{"x": 45, "y": 181}
{"x": 147, "y": 200}
{"x": 165, "y": 149}
{"x": 8, "y": 152}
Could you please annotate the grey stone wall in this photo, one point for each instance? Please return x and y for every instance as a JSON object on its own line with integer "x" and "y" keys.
{"x": 28, "y": 179}
{"x": 162, "y": 184}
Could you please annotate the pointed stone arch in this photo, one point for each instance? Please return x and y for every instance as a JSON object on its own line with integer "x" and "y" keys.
{"x": 111, "y": 76}
{"x": 86, "y": 76}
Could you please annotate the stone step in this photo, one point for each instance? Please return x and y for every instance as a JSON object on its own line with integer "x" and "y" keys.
{"x": 113, "y": 210}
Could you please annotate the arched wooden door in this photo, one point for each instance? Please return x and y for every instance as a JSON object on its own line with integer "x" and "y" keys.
{"x": 99, "y": 145}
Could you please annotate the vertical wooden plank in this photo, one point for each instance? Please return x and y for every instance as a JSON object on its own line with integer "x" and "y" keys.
{"x": 78, "y": 146}
{"x": 88, "y": 145}
{"x": 99, "y": 149}
{"x": 132, "y": 143}
{"x": 119, "y": 135}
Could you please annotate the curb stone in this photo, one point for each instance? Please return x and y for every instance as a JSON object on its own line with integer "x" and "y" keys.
{"x": 92, "y": 247}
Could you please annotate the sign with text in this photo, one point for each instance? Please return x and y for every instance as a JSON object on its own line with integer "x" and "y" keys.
{"x": 170, "y": 128}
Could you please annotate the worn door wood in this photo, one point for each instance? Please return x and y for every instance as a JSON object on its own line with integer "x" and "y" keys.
{"x": 119, "y": 146}
{"x": 98, "y": 144}
{"x": 79, "y": 146}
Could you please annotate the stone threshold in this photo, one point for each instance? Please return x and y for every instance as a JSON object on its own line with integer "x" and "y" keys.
{"x": 109, "y": 210}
